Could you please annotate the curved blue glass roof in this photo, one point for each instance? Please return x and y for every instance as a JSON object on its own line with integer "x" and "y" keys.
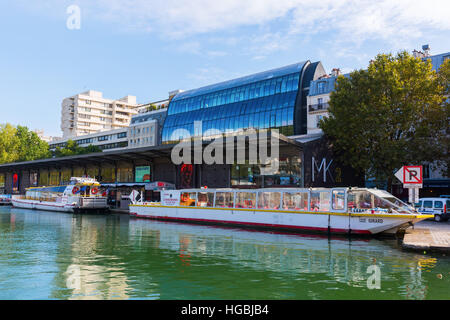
{"x": 272, "y": 99}
{"x": 293, "y": 68}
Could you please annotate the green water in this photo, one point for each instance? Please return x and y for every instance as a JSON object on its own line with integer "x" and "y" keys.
{"x": 46, "y": 255}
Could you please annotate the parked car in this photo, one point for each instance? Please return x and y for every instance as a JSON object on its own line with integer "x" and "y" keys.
{"x": 440, "y": 207}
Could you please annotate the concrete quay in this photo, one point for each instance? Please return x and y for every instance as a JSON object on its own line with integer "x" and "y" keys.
{"x": 428, "y": 236}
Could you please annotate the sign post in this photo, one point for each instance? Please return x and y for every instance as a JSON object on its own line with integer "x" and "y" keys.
{"x": 412, "y": 179}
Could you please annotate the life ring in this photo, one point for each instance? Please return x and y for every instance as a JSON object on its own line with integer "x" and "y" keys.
{"x": 94, "y": 190}
{"x": 75, "y": 190}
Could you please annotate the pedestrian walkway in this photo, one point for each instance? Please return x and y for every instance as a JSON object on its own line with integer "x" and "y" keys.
{"x": 428, "y": 235}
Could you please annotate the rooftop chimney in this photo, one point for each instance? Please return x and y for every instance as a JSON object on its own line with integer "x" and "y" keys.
{"x": 335, "y": 72}
{"x": 417, "y": 54}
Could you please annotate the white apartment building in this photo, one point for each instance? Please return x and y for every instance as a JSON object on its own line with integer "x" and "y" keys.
{"x": 143, "y": 131}
{"x": 88, "y": 112}
{"x": 40, "y": 133}
{"x": 317, "y": 101}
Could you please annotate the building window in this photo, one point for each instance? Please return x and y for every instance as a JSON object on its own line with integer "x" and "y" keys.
{"x": 319, "y": 103}
{"x": 321, "y": 87}
{"x": 318, "y": 118}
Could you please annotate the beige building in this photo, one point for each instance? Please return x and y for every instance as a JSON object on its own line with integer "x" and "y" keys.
{"x": 317, "y": 101}
{"x": 88, "y": 113}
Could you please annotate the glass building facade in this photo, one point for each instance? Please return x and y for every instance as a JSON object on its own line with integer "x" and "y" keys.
{"x": 266, "y": 100}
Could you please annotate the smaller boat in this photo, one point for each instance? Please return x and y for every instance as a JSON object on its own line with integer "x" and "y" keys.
{"x": 81, "y": 195}
{"x": 5, "y": 199}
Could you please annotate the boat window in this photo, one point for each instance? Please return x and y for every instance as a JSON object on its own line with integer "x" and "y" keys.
{"x": 224, "y": 199}
{"x": 360, "y": 200}
{"x": 370, "y": 201}
{"x": 269, "y": 200}
{"x": 245, "y": 200}
{"x": 188, "y": 199}
{"x": 295, "y": 201}
{"x": 320, "y": 201}
{"x": 391, "y": 199}
{"x": 205, "y": 199}
{"x": 338, "y": 199}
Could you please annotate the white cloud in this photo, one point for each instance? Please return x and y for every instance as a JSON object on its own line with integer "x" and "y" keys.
{"x": 279, "y": 22}
{"x": 178, "y": 18}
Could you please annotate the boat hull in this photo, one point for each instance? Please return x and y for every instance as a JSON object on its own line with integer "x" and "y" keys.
{"x": 42, "y": 205}
{"x": 326, "y": 222}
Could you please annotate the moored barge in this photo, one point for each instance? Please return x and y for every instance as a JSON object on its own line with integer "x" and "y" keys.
{"x": 361, "y": 211}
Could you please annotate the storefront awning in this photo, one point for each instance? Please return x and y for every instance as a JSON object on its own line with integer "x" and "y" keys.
{"x": 156, "y": 185}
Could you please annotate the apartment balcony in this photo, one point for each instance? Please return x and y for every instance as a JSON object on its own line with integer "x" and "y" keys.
{"x": 127, "y": 110}
{"x": 318, "y": 107}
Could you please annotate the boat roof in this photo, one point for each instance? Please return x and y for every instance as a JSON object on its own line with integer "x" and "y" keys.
{"x": 48, "y": 189}
{"x": 281, "y": 189}
{"x": 84, "y": 181}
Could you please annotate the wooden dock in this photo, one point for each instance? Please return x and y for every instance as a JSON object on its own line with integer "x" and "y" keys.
{"x": 428, "y": 236}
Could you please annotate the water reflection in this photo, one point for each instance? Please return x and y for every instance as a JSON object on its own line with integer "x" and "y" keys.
{"x": 63, "y": 256}
{"x": 88, "y": 276}
{"x": 319, "y": 263}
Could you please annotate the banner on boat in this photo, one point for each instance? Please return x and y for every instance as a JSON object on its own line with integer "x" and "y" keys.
{"x": 170, "y": 198}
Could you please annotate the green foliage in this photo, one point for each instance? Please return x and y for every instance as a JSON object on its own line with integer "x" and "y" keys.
{"x": 390, "y": 115}
{"x": 30, "y": 146}
{"x": 20, "y": 144}
{"x": 72, "y": 149}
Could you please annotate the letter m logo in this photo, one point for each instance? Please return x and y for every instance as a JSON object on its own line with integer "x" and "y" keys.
{"x": 323, "y": 167}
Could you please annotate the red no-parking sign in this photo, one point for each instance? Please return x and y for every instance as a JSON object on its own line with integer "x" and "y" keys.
{"x": 412, "y": 178}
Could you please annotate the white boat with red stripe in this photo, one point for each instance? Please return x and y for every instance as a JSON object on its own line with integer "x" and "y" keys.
{"x": 361, "y": 211}
{"x": 81, "y": 195}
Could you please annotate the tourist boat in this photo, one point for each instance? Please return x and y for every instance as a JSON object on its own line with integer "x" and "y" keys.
{"x": 336, "y": 210}
{"x": 5, "y": 199}
{"x": 81, "y": 195}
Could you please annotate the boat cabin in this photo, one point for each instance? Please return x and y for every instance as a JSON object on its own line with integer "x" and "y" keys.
{"x": 357, "y": 200}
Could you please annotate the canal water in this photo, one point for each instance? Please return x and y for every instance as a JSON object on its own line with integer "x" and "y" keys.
{"x": 46, "y": 255}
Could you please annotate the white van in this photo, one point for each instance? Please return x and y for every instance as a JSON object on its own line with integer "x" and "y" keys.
{"x": 440, "y": 207}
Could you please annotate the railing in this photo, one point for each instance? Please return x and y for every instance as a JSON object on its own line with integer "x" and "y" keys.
{"x": 318, "y": 107}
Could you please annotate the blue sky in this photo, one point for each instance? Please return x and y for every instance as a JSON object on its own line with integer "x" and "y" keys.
{"x": 147, "y": 48}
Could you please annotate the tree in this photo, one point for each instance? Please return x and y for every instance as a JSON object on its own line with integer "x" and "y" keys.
{"x": 8, "y": 142}
{"x": 20, "y": 144}
{"x": 390, "y": 115}
{"x": 444, "y": 79}
{"x": 30, "y": 146}
{"x": 72, "y": 148}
